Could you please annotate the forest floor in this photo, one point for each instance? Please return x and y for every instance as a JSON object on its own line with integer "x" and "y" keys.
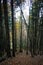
{"x": 23, "y": 59}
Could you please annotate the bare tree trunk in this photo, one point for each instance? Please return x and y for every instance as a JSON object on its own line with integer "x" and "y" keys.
{"x": 21, "y": 33}
{"x": 41, "y": 37}
{"x": 27, "y": 39}
{"x": 13, "y": 29}
{"x": 7, "y": 27}
{"x": 1, "y": 30}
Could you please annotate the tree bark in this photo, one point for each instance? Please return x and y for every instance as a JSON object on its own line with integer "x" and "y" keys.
{"x": 1, "y": 32}
{"x": 21, "y": 33}
{"x": 13, "y": 29}
{"x": 7, "y": 27}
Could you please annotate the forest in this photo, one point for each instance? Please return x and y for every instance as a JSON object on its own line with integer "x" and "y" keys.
{"x": 21, "y": 32}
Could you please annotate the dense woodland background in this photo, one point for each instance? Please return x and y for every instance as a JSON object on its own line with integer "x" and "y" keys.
{"x": 19, "y": 32}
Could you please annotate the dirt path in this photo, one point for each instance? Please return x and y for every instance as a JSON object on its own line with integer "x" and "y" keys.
{"x": 23, "y": 59}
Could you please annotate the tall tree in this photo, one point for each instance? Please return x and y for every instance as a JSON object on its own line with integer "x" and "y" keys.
{"x": 21, "y": 34}
{"x": 7, "y": 27}
{"x": 35, "y": 16}
{"x": 18, "y": 4}
{"x": 13, "y": 28}
{"x": 1, "y": 30}
{"x": 41, "y": 33}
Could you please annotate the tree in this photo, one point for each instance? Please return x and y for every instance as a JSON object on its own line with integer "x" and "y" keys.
{"x": 27, "y": 26}
{"x": 35, "y": 18}
{"x": 18, "y": 4}
{"x": 7, "y": 27}
{"x": 21, "y": 34}
{"x": 1, "y": 30}
{"x": 41, "y": 33}
{"x": 13, "y": 28}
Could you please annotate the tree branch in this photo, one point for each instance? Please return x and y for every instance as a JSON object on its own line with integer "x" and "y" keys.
{"x": 23, "y": 18}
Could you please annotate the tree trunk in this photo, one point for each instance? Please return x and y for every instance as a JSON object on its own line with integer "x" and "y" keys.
{"x": 21, "y": 32}
{"x": 1, "y": 30}
{"x": 13, "y": 28}
{"x": 7, "y": 27}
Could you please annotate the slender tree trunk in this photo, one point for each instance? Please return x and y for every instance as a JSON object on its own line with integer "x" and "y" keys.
{"x": 15, "y": 43}
{"x": 41, "y": 37}
{"x": 13, "y": 28}
{"x": 27, "y": 39}
{"x": 21, "y": 32}
{"x": 7, "y": 27}
{"x": 1, "y": 29}
{"x": 4, "y": 31}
